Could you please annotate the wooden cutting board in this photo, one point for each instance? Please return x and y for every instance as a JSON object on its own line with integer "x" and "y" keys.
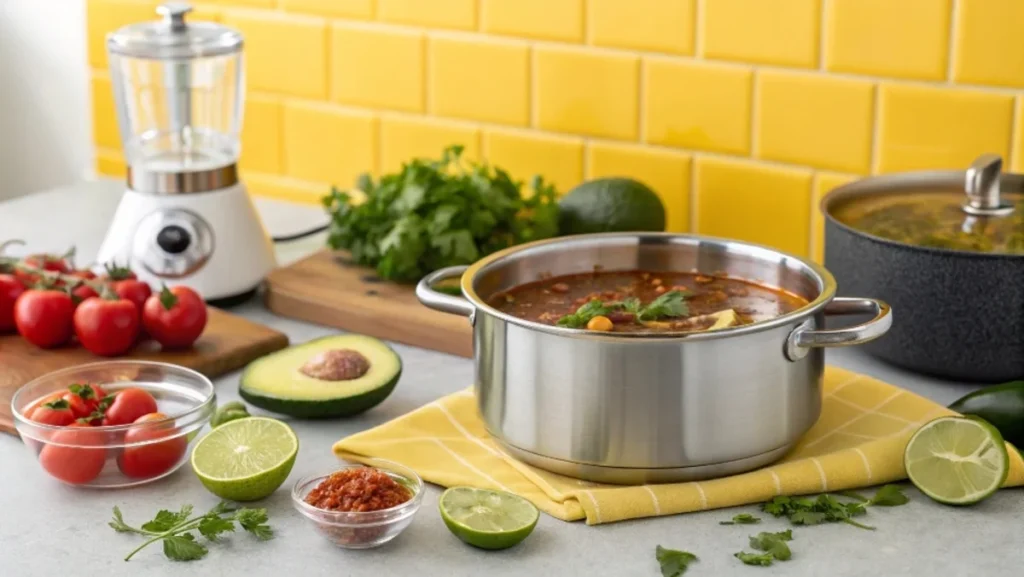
{"x": 228, "y": 343}
{"x": 326, "y": 289}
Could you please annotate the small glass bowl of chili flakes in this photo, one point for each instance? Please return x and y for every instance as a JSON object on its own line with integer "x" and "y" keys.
{"x": 358, "y": 506}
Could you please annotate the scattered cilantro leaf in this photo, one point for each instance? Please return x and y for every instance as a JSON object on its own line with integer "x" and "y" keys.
{"x": 212, "y": 527}
{"x": 803, "y": 517}
{"x": 437, "y": 213}
{"x": 773, "y": 543}
{"x": 670, "y": 304}
{"x": 889, "y": 496}
{"x": 762, "y": 559}
{"x": 183, "y": 547}
{"x": 742, "y": 519}
{"x": 165, "y": 520}
{"x": 582, "y": 316}
{"x": 255, "y": 522}
{"x": 673, "y": 562}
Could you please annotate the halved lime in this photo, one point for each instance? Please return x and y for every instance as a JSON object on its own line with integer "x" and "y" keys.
{"x": 487, "y": 519}
{"x": 957, "y": 460}
{"x": 246, "y": 459}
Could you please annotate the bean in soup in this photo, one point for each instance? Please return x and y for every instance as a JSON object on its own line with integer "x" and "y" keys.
{"x": 645, "y": 301}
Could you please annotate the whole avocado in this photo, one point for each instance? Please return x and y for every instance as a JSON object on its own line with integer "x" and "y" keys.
{"x": 614, "y": 204}
{"x": 1001, "y": 405}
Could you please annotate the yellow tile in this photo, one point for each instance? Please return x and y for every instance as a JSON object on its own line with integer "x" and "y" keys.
{"x": 104, "y": 115}
{"x": 373, "y": 67}
{"x": 110, "y": 163}
{"x": 658, "y": 25}
{"x": 559, "y": 160}
{"x": 435, "y": 13}
{"x": 824, "y": 182}
{"x": 1018, "y": 137}
{"x": 284, "y": 53}
{"x": 988, "y": 47}
{"x": 924, "y": 127}
{"x": 106, "y": 16}
{"x": 586, "y": 93}
{"x": 402, "y": 139}
{"x": 754, "y": 202}
{"x": 816, "y": 120}
{"x": 342, "y": 8}
{"x": 776, "y": 32}
{"x": 480, "y": 80}
{"x": 247, "y": 3}
{"x": 205, "y": 13}
{"x": 694, "y": 105}
{"x": 667, "y": 173}
{"x": 261, "y": 134}
{"x": 324, "y": 144}
{"x": 284, "y": 188}
{"x": 545, "y": 19}
{"x": 906, "y": 39}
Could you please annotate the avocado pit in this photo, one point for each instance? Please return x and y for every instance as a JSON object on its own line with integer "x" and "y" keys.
{"x": 336, "y": 365}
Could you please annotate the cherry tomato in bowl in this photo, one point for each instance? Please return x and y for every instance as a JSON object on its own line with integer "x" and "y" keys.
{"x": 142, "y": 458}
{"x": 75, "y": 455}
{"x": 129, "y": 405}
{"x": 54, "y": 412}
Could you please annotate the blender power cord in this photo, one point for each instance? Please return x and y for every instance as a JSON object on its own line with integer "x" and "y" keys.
{"x": 299, "y": 235}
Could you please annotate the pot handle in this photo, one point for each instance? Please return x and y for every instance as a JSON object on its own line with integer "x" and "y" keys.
{"x": 440, "y": 301}
{"x": 802, "y": 339}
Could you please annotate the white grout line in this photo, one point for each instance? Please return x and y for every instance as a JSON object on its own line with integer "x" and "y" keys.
{"x": 755, "y": 112}
{"x": 428, "y": 98}
{"x": 698, "y": 29}
{"x": 534, "y": 95}
{"x": 641, "y": 103}
{"x": 951, "y": 50}
{"x": 693, "y": 194}
{"x": 875, "y": 158}
{"x": 823, "y": 32}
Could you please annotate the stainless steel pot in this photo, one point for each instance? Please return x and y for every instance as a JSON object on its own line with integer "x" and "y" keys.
{"x": 629, "y": 408}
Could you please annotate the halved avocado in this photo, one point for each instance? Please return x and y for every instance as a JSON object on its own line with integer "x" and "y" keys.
{"x": 282, "y": 382}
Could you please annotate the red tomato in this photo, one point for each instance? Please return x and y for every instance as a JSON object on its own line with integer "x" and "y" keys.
{"x": 46, "y": 262}
{"x": 55, "y": 412}
{"x": 84, "y": 274}
{"x": 10, "y": 289}
{"x": 74, "y": 464}
{"x": 107, "y": 327}
{"x": 82, "y": 292}
{"x": 83, "y": 399}
{"x": 117, "y": 272}
{"x": 175, "y": 317}
{"x": 133, "y": 290}
{"x": 44, "y": 317}
{"x": 128, "y": 405}
{"x": 151, "y": 459}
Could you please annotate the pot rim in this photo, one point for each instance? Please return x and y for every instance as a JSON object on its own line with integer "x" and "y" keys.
{"x": 819, "y": 272}
{"x": 901, "y": 182}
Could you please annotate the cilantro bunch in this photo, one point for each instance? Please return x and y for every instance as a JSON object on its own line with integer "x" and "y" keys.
{"x": 437, "y": 213}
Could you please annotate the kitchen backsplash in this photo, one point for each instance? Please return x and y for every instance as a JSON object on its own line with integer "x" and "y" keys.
{"x": 740, "y": 113}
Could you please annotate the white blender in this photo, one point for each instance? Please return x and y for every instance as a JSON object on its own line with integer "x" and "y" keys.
{"x": 185, "y": 218}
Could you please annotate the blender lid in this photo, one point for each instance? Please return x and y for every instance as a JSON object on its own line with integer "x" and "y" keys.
{"x": 173, "y": 38}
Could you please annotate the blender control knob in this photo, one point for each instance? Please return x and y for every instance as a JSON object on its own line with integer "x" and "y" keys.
{"x": 173, "y": 239}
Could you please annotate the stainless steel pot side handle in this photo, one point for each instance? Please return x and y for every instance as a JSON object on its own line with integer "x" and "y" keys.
{"x": 440, "y": 301}
{"x": 802, "y": 339}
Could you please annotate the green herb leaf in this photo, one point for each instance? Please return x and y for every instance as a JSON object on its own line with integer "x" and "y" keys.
{"x": 166, "y": 520}
{"x": 807, "y": 517}
{"x": 889, "y": 496}
{"x": 670, "y": 304}
{"x": 582, "y": 316}
{"x": 183, "y": 548}
{"x": 762, "y": 559}
{"x": 673, "y": 562}
{"x": 84, "y": 391}
{"x": 118, "y": 523}
{"x": 254, "y": 521}
{"x": 773, "y": 543}
{"x": 58, "y": 405}
{"x": 741, "y": 519}
{"x": 212, "y": 527}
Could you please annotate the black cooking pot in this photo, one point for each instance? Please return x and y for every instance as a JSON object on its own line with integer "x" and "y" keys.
{"x": 950, "y": 264}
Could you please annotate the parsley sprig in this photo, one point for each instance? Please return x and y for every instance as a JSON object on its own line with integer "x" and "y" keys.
{"x": 670, "y": 304}
{"x": 175, "y": 529}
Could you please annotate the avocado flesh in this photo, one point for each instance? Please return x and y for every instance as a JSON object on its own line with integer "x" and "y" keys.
{"x": 275, "y": 382}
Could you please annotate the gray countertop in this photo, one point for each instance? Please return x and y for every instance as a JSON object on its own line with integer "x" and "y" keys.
{"x": 48, "y": 529}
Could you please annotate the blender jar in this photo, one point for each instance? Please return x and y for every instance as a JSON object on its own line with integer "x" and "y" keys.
{"x": 178, "y": 88}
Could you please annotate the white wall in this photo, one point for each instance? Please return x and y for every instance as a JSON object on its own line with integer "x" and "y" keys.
{"x": 45, "y": 122}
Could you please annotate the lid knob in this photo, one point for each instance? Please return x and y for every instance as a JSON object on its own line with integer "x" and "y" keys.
{"x": 982, "y": 187}
{"x": 174, "y": 14}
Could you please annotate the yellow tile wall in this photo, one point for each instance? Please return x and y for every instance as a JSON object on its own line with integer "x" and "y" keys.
{"x": 741, "y": 114}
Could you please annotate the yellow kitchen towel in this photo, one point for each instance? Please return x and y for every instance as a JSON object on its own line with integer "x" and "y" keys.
{"x": 857, "y": 442}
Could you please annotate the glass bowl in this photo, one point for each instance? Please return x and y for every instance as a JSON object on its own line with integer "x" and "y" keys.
{"x": 120, "y": 455}
{"x": 361, "y": 530}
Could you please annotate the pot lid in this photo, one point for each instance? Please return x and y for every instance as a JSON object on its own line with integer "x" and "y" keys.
{"x": 978, "y": 210}
{"x": 173, "y": 38}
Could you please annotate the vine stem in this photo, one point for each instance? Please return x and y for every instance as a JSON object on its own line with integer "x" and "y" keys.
{"x": 179, "y": 528}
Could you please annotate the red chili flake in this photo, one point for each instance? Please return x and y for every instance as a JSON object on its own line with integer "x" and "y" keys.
{"x": 361, "y": 489}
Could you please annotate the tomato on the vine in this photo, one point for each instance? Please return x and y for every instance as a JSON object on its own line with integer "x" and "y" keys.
{"x": 83, "y": 399}
{"x": 84, "y": 274}
{"x": 118, "y": 272}
{"x": 152, "y": 458}
{"x": 75, "y": 455}
{"x": 44, "y": 317}
{"x": 46, "y": 262}
{"x": 128, "y": 405}
{"x": 175, "y": 317}
{"x": 82, "y": 292}
{"x": 107, "y": 326}
{"x": 10, "y": 289}
{"x": 133, "y": 290}
{"x": 54, "y": 412}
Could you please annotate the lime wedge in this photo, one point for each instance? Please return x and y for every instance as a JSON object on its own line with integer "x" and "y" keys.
{"x": 487, "y": 519}
{"x": 246, "y": 459}
{"x": 957, "y": 460}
